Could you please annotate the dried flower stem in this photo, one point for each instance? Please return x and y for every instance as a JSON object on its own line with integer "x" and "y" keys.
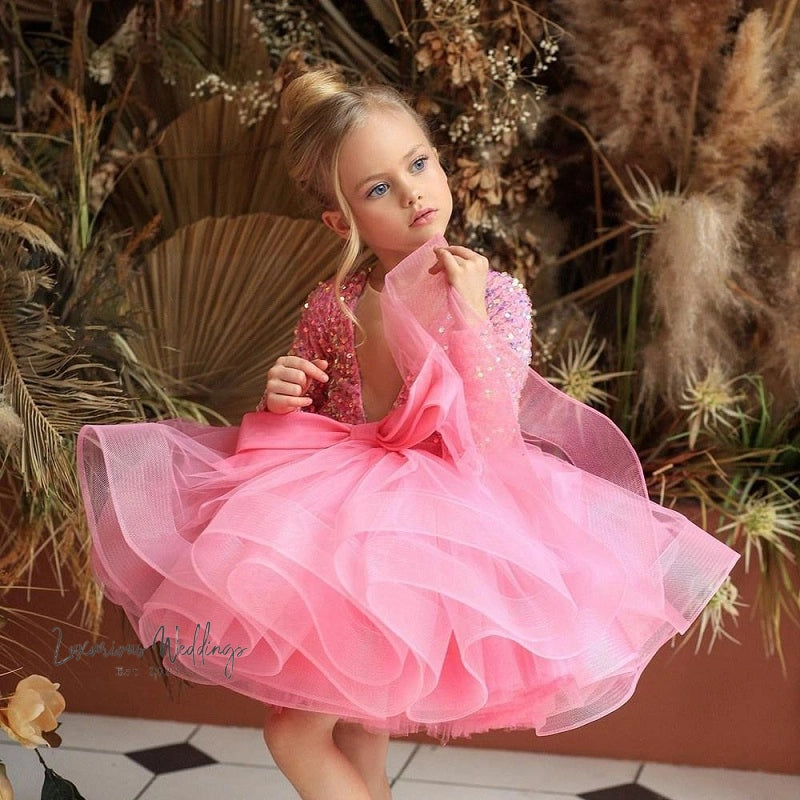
{"x": 81, "y": 149}
{"x": 782, "y": 27}
{"x": 401, "y": 20}
{"x": 590, "y": 291}
{"x": 17, "y": 88}
{"x": 618, "y": 182}
{"x": 629, "y": 352}
{"x": 598, "y": 191}
{"x": 690, "y": 124}
{"x": 594, "y": 243}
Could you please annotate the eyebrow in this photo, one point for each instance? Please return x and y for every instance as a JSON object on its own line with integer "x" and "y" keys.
{"x": 380, "y": 174}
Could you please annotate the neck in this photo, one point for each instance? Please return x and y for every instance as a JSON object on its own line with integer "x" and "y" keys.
{"x": 377, "y": 276}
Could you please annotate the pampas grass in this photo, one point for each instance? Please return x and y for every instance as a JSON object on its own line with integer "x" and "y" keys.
{"x": 771, "y": 239}
{"x": 746, "y": 116}
{"x": 638, "y": 67}
{"x": 692, "y": 259}
{"x": 702, "y": 114}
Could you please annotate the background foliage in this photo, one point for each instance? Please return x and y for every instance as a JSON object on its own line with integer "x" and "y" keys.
{"x": 634, "y": 163}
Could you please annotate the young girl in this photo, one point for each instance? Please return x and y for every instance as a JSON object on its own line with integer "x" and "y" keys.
{"x": 445, "y": 543}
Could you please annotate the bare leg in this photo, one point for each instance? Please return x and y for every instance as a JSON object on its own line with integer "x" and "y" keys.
{"x": 301, "y": 742}
{"x": 367, "y": 753}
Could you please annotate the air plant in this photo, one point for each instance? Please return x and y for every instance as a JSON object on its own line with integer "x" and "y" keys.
{"x": 716, "y": 618}
{"x": 711, "y": 403}
{"x": 766, "y": 519}
{"x": 577, "y": 373}
{"x": 650, "y": 204}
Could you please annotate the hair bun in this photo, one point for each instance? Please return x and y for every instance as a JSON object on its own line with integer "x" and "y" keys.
{"x": 319, "y": 109}
{"x": 307, "y": 91}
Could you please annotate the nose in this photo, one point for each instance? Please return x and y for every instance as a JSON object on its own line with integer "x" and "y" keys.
{"x": 411, "y": 193}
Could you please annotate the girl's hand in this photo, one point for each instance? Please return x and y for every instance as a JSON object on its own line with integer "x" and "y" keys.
{"x": 288, "y": 381}
{"x": 466, "y": 272}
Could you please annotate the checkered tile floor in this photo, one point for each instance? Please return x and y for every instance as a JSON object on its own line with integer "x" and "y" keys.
{"x": 118, "y": 758}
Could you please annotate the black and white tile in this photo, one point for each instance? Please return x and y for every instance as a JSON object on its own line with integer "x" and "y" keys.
{"x": 121, "y": 758}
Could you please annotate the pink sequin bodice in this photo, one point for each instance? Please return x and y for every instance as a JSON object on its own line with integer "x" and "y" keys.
{"x": 325, "y": 331}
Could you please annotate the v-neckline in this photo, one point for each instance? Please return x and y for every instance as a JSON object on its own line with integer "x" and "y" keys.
{"x": 357, "y": 294}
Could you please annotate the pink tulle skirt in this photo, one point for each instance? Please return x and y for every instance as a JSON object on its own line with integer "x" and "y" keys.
{"x": 443, "y": 570}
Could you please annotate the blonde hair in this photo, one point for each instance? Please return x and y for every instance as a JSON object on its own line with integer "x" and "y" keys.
{"x": 319, "y": 110}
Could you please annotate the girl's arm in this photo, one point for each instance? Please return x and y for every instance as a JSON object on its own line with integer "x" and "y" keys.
{"x": 491, "y": 351}
{"x": 510, "y": 315}
{"x": 298, "y": 380}
{"x": 493, "y": 360}
{"x": 502, "y": 301}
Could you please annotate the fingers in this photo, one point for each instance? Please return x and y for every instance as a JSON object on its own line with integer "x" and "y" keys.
{"x": 455, "y": 257}
{"x": 299, "y": 371}
{"x": 466, "y": 272}
{"x": 462, "y": 252}
{"x": 442, "y": 257}
{"x": 288, "y": 381}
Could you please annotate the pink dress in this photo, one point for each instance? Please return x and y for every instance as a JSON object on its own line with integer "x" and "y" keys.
{"x": 485, "y": 556}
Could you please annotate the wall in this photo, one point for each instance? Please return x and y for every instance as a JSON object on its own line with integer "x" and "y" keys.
{"x": 732, "y": 708}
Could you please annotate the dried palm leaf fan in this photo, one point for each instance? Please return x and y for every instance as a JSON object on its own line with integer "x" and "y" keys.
{"x": 43, "y": 10}
{"x": 220, "y": 299}
{"x": 207, "y": 164}
{"x": 225, "y": 31}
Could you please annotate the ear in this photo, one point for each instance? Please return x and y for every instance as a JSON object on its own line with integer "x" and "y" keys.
{"x": 336, "y": 222}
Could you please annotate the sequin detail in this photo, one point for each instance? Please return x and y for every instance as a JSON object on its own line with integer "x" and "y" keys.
{"x": 325, "y": 331}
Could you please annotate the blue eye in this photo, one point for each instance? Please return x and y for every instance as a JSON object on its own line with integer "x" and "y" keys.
{"x": 379, "y": 190}
{"x": 418, "y": 164}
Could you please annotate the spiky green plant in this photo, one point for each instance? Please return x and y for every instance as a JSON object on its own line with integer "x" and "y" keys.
{"x": 718, "y": 616}
{"x": 577, "y": 373}
{"x": 711, "y": 403}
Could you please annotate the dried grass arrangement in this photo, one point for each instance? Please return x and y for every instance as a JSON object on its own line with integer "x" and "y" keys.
{"x": 636, "y": 164}
{"x": 691, "y": 116}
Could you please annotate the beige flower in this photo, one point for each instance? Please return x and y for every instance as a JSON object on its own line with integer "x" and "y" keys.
{"x": 477, "y": 187}
{"x": 6, "y": 789}
{"x": 33, "y": 708}
{"x": 453, "y": 50}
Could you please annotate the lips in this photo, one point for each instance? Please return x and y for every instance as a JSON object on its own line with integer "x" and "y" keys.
{"x": 423, "y": 217}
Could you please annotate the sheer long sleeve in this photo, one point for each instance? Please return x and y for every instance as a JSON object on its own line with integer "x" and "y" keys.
{"x": 492, "y": 356}
{"x": 509, "y": 309}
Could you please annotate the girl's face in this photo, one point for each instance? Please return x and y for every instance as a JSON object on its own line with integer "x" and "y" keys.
{"x": 397, "y": 190}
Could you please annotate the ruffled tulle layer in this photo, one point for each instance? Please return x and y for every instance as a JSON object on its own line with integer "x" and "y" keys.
{"x": 434, "y": 571}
